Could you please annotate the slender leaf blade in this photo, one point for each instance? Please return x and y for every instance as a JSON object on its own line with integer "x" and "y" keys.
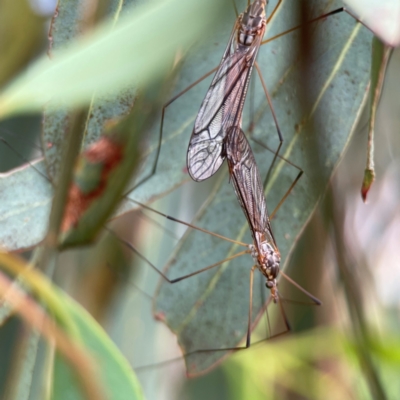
{"x": 117, "y": 376}
{"x": 111, "y": 59}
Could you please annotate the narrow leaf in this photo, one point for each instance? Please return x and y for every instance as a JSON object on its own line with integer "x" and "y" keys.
{"x": 88, "y": 341}
{"x": 109, "y": 60}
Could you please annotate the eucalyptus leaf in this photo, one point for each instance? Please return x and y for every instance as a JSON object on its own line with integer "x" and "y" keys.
{"x": 67, "y": 24}
{"x": 25, "y": 212}
{"x": 25, "y": 201}
{"x": 112, "y": 58}
{"x": 104, "y": 170}
{"x": 117, "y": 377}
{"x": 209, "y": 310}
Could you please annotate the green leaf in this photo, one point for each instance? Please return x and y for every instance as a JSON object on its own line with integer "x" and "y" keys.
{"x": 82, "y": 332}
{"x": 286, "y": 362}
{"x": 209, "y": 310}
{"x": 105, "y": 168}
{"x": 111, "y": 59}
{"x": 66, "y": 23}
{"x": 17, "y": 45}
{"x": 24, "y": 213}
{"x": 65, "y": 26}
{"x": 21, "y": 385}
{"x": 25, "y": 201}
{"x": 116, "y": 374}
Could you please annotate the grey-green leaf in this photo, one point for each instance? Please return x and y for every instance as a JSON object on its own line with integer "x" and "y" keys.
{"x": 209, "y": 310}
{"x": 24, "y": 212}
{"x": 66, "y": 25}
{"x": 25, "y": 200}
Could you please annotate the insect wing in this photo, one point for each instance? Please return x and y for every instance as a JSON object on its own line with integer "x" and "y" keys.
{"x": 221, "y": 109}
{"x": 246, "y": 181}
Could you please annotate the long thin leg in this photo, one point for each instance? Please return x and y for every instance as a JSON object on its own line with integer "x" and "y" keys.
{"x": 276, "y": 153}
{"x": 187, "y": 224}
{"x": 278, "y": 156}
{"x": 248, "y": 337}
{"x": 6, "y": 131}
{"x": 286, "y": 195}
{"x": 160, "y": 136}
{"x": 284, "y": 316}
{"x": 152, "y": 221}
{"x": 308, "y": 22}
{"x": 265, "y": 306}
{"x": 235, "y": 349}
{"x": 24, "y": 159}
{"x": 181, "y": 278}
{"x": 268, "y": 327}
{"x": 299, "y": 175}
{"x": 269, "y": 103}
{"x": 274, "y": 11}
{"x": 308, "y": 294}
{"x": 298, "y": 302}
{"x": 235, "y": 8}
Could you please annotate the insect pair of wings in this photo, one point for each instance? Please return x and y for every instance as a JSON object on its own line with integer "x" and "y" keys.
{"x": 217, "y": 135}
{"x": 223, "y": 105}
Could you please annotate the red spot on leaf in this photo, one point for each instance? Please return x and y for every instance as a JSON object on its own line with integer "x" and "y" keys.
{"x": 107, "y": 154}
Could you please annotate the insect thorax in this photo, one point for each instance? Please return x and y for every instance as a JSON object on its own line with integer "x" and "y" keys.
{"x": 252, "y": 23}
{"x": 267, "y": 260}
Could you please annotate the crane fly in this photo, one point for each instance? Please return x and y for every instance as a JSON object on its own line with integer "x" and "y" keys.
{"x": 235, "y": 305}
{"x": 222, "y": 107}
{"x": 223, "y": 104}
{"x": 249, "y": 190}
{"x": 246, "y": 181}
